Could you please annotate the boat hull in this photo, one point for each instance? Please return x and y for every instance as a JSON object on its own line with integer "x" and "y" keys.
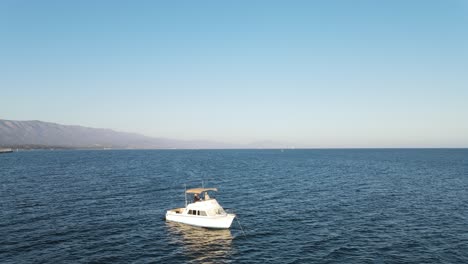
{"x": 5, "y": 151}
{"x": 215, "y": 222}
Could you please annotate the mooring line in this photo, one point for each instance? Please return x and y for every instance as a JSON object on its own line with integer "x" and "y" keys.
{"x": 242, "y": 229}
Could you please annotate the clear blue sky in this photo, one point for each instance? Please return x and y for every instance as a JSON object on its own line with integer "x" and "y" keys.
{"x": 306, "y": 73}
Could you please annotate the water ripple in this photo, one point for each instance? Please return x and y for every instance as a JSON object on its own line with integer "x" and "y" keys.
{"x": 296, "y": 206}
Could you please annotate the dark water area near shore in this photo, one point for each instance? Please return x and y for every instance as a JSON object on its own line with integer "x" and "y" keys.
{"x": 296, "y": 206}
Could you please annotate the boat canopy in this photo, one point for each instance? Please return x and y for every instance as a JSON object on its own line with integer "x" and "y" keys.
{"x": 200, "y": 190}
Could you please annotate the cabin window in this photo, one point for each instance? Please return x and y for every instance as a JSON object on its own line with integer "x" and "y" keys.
{"x": 196, "y": 212}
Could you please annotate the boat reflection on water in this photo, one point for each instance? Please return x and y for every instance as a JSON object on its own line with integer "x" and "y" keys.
{"x": 202, "y": 245}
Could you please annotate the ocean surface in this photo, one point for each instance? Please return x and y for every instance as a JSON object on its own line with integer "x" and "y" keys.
{"x": 295, "y": 206}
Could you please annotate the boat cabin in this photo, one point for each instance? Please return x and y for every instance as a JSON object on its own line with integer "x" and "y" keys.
{"x": 203, "y": 205}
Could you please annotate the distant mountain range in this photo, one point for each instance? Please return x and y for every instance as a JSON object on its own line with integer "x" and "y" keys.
{"x": 39, "y": 134}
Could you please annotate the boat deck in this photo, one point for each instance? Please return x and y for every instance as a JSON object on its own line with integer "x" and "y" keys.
{"x": 177, "y": 210}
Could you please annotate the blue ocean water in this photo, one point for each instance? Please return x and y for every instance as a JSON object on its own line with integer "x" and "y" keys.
{"x": 296, "y": 206}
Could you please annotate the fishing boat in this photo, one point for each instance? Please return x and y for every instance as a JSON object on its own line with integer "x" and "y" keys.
{"x": 204, "y": 211}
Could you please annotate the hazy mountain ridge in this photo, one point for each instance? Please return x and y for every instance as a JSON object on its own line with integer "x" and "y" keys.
{"x": 18, "y": 133}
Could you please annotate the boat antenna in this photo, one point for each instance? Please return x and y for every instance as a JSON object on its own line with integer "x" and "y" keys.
{"x": 185, "y": 193}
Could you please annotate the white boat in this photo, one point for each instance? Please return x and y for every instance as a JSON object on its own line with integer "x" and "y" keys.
{"x": 205, "y": 212}
{"x": 6, "y": 150}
